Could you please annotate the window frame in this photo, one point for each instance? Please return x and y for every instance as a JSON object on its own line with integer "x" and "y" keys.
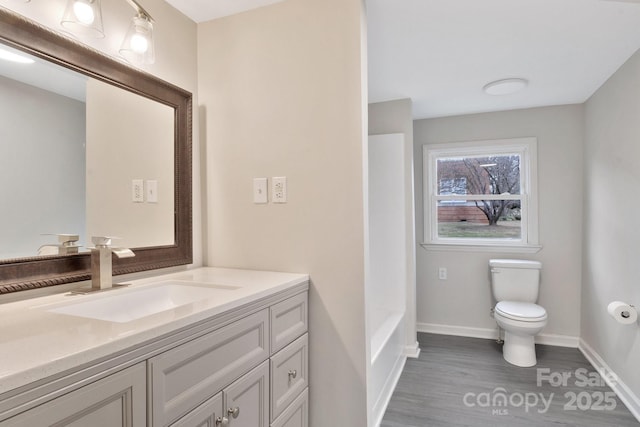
{"x": 526, "y": 148}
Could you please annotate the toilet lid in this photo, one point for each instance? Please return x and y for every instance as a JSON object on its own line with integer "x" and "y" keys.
{"x": 525, "y": 311}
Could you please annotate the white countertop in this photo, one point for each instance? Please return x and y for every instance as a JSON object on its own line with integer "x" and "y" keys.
{"x": 36, "y": 343}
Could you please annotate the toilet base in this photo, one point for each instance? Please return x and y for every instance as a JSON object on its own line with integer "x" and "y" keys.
{"x": 519, "y": 350}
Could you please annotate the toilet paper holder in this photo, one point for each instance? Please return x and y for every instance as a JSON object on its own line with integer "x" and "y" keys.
{"x": 626, "y": 313}
{"x": 622, "y": 312}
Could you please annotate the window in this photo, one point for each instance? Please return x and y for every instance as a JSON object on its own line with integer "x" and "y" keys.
{"x": 481, "y": 194}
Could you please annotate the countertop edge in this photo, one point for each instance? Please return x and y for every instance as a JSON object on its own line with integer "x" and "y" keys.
{"x": 21, "y": 382}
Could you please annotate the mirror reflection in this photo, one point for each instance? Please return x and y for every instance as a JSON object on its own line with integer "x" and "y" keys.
{"x": 79, "y": 157}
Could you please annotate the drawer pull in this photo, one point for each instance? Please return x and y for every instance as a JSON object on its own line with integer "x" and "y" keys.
{"x": 234, "y": 412}
{"x": 222, "y": 422}
{"x": 293, "y": 373}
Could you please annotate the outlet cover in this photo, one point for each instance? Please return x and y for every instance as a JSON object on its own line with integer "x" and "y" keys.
{"x": 137, "y": 191}
{"x": 279, "y": 189}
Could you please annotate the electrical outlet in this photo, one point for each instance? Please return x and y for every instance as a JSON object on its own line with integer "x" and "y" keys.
{"x": 442, "y": 273}
{"x": 279, "y": 187}
{"x": 137, "y": 191}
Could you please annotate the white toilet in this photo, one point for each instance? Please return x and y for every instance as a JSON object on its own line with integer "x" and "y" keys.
{"x": 515, "y": 284}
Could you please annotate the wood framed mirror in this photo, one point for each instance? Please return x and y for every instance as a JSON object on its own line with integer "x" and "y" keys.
{"x": 30, "y": 272}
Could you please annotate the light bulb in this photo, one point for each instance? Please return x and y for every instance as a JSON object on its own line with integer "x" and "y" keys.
{"x": 83, "y": 12}
{"x": 139, "y": 43}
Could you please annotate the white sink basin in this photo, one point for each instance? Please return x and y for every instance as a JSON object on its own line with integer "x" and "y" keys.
{"x": 125, "y": 305}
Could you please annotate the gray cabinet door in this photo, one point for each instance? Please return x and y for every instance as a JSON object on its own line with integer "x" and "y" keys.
{"x": 114, "y": 401}
{"x": 191, "y": 373}
{"x": 296, "y": 414}
{"x": 204, "y": 415}
{"x": 247, "y": 399}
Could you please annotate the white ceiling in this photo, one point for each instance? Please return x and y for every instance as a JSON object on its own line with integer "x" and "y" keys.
{"x": 45, "y": 75}
{"x": 206, "y": 10}
{"x": 440, "y": 53}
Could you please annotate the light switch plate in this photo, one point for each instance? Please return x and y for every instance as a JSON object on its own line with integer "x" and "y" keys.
{"x": 279, "y": 190}
{"x": 260, "y": 190}
{"x": 137, "y": 191}
{"x": 152, "y": 191}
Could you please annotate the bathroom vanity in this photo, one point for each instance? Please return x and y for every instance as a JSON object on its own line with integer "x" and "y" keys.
{"x": 204, "y": 347}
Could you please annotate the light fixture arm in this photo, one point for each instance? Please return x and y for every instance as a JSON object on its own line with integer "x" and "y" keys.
{"x": 140, "y": 10}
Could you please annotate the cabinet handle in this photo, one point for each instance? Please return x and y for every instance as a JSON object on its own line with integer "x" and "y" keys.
{"x": 293, "y": 373}
{"x": 234, "y": 412}
{"x": 222, "y": 422}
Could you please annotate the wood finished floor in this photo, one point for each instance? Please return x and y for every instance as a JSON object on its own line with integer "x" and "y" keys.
{"x": 458, "y": 381}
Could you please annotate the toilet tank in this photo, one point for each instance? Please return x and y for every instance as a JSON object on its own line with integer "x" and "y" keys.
{"x": 515, "y": 280}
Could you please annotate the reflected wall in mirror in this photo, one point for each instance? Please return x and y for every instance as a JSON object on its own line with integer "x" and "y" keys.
{"x": 75, "y": 144}
{"x": 69, "y": 157}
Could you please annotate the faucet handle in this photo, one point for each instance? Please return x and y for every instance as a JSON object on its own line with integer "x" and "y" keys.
{"x": 64, "y": 239}
{"x": 123, "y": 252}
{"x": 102, "y": 240}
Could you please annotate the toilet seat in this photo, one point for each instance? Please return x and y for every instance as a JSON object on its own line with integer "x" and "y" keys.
{"x": 521, "y": 311}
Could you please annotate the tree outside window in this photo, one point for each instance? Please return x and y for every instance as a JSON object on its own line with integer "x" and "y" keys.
{"x": 478, "y": 193}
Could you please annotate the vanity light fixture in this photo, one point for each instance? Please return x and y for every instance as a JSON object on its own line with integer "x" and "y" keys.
{"x": 137, "y": 46}
{"x": 83, "y": 17}
{"x": 505, "y": 86}
{"x": 15, "y": 57}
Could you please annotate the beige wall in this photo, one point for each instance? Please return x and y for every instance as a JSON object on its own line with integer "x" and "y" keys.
{"x": 128, "y": 137}
{"x": 463, "y": 301}
{"x": 176, "y": 48}
{"x": 611, "y": 234}
{"x": 281, "y": 94}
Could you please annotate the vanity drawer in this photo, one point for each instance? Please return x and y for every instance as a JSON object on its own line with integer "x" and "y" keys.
{"x": 204, "y": 415}
{"x": 296, "y": 415}
{"x": 183, "y": 377}
{"x": 289, "y": 374}
{"x": 288, "y": 321}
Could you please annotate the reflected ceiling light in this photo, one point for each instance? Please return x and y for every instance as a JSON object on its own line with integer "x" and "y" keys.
{"x": 137, "y": 46}
{"x": 14, "y": 57}
{"x": 505, "y": 86}
{"x": 83, "y": 17}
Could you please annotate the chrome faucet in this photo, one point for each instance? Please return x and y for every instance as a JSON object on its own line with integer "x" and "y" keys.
{"x": 101, "y": 262}
{"x": 67, "y": 245}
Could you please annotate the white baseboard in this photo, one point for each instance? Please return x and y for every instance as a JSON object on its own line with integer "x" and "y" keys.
{"x": 380, "y": 407}
{"x": 492, "y": 333}
{"x": 413, "y": 350}
{"x": 626, "y": 395}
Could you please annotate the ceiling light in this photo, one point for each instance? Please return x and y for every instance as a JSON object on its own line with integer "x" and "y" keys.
{"x": 14, "y": 57}
{"x": 83, "y": 17}
{"x": 505, "y": 86}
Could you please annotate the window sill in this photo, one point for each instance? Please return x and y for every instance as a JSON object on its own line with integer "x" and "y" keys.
{"x": 463, "y": 247}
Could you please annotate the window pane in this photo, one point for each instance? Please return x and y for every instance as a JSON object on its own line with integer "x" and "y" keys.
{"x": 479, "y": 175}
{"x": 494, "y": 219}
